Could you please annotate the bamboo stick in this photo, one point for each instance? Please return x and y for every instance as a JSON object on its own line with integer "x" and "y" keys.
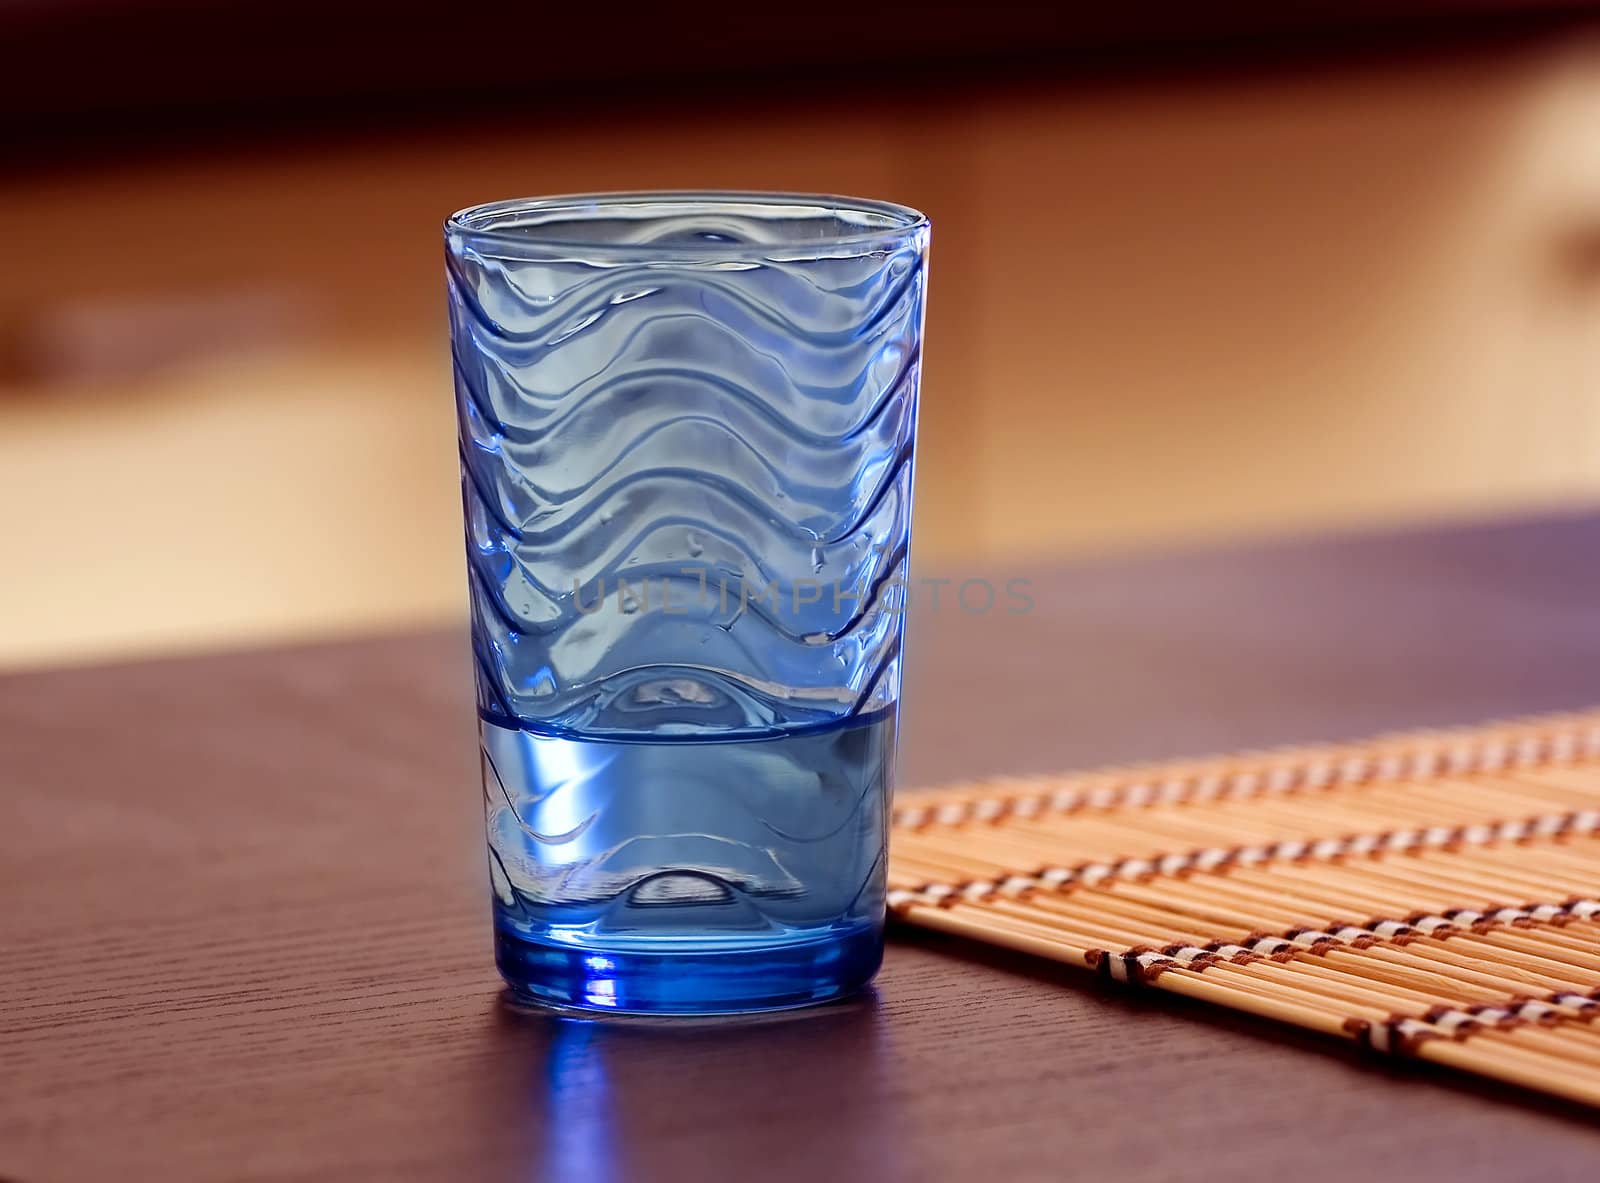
{"x": 1430, "y": 893}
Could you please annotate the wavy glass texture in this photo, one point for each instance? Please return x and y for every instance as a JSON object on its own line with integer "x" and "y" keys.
{"x": 686, "y": 432}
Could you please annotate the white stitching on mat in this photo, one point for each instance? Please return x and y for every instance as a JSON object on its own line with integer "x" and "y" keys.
{"x": 1576, "y": 822}
{"x": 1444, "y": 755}
{"x": 1316, "y": 940}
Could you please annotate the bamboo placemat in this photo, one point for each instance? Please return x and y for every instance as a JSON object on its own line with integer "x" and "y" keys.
{"x": 1434, "y": 895}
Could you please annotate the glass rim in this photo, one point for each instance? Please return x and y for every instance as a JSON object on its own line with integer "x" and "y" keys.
{"x": 469, "y": 223}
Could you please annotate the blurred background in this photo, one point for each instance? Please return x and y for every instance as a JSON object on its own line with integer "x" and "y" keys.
{"x": 1200, "y": 272}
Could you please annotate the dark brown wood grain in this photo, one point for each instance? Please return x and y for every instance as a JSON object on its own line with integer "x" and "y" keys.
{"x": 245, "y": 936}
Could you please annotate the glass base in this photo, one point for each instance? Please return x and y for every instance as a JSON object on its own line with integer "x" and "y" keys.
{"x": 686, "y": 981}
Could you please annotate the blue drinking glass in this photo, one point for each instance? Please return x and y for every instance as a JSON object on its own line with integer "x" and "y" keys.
{"x": 686, "y": 428}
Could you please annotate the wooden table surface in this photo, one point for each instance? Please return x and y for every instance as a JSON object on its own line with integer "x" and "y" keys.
{"x": 245, "y": 931}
